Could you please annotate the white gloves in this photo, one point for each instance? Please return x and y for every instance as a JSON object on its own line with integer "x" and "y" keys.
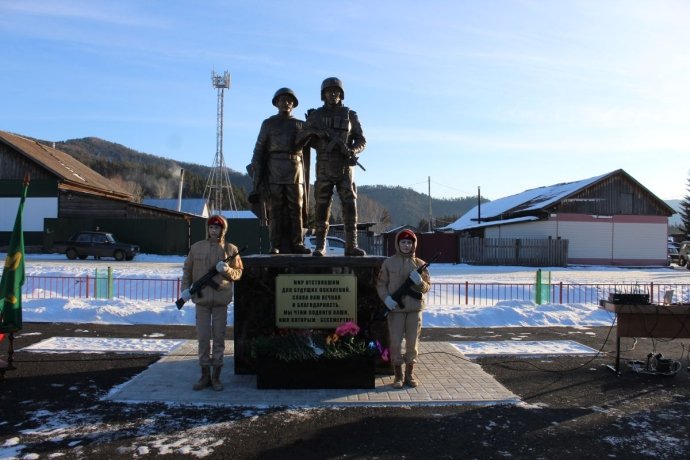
{"x": 186, "y": 295}
{"x": 415, "y": 277}
{"x": 390, "y": 303}
{"x": 222, "y": 267}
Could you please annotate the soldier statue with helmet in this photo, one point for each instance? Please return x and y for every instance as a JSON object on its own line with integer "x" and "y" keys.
{"x": 334, "y": 131}
{"x": 280, "y": 175}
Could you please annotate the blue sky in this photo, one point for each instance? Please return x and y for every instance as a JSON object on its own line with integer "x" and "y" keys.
{"x": 502, "y": 95}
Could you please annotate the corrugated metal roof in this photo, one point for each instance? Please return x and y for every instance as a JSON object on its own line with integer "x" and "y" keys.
{"x": 238, "y": 214}
{"x": 70, "y": 172}
{"x": 474, "y": 225}
{"x": 195, "y": 206}
{"x": 530, "y": 200}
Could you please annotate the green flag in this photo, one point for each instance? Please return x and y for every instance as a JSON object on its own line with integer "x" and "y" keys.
{"x": 13, "y": 275}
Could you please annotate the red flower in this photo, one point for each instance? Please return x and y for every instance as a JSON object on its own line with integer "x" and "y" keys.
{"x": 349, "y": 328}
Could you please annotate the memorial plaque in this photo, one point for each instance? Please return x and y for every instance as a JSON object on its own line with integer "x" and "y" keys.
{"x": 315, "y": 301}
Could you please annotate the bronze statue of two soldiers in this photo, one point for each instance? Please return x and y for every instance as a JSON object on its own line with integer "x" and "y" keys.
{"x": 280, "y": 169}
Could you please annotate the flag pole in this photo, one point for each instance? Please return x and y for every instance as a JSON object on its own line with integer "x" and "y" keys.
{"x": 11, "y": 283}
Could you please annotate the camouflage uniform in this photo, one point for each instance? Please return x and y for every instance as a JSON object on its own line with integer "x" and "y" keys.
{"x": 337, "y": 128}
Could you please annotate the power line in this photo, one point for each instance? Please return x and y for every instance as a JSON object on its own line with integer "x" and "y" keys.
{"x": 464, "y": 192}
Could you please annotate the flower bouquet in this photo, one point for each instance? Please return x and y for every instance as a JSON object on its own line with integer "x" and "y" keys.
{"x": 299, "y": 358}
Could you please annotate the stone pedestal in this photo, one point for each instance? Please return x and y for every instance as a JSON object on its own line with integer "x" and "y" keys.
{"x": 255, "y": 298}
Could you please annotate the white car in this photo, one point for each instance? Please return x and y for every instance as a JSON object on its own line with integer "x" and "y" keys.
{"x": 334, "y": 246}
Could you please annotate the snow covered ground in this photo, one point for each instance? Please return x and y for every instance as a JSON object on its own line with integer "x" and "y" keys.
{"x": 501, "y": 314}
{"x": 199, "y": 439}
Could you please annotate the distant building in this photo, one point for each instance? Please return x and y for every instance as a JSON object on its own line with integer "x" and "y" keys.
{"x": 608, "y": 220}
{"x": 240, "y": 214}
{"x": 196, "y": 206}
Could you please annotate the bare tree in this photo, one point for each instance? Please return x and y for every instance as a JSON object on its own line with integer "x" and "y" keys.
{"x": 131, "y": 187}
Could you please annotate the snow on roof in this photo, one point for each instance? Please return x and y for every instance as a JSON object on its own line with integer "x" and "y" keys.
{"x": 474, "y": 224}
{"x": 529, "y": 200}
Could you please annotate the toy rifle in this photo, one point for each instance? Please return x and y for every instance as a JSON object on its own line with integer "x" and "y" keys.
{"x": 337, "y": 143}
{"x": 206, "y": 280}
{"x": 406, "y": 288}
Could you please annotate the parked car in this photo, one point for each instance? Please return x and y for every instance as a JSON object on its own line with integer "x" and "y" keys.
{"x": 673, "y": 255}
{"x": 96, "y": 244}
{"x": 334, "y": 246}
{"x": 683, "y": 254}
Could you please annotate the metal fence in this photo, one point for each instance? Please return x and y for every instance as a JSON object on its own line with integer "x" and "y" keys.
{"x": 463, "y": 293}
{"x": 535, "y": 252}
{"x": 470, "y": 293}
{"x": 58, "y": 287}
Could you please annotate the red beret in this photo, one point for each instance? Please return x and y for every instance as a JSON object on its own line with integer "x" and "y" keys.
{"x": 407, "y": 235}
{"x": 216, "y": 220}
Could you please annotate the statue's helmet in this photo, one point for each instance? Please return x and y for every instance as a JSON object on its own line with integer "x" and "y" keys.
{"x": 333, "y": 82}
{"x": 282, "y": 91}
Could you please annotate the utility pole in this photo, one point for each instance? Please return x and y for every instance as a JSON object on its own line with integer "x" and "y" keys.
{"x": 430, "y": 215}
{"x": 218, "y": 187}
{"x": 179, "y": 191}
{"x": 479, "y": 204}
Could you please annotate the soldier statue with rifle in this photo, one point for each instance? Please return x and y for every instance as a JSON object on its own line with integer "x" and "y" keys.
{"x": 280, "y": 175}
{"x": 336, "y": 134}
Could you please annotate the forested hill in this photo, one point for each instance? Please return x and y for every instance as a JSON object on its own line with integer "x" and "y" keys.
{"x": 407, "y": 206}
{"x": 145, "y": 175}
{"x": 151, "y": 176}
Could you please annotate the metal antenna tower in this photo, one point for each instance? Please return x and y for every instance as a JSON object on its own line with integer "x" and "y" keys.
{"x": 218, "y": 190}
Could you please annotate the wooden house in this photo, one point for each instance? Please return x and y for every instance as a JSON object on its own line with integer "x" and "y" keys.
{"x": 65, "y": 196}
{"x": 62, "y": 191}
{"x": 608, "y": 220}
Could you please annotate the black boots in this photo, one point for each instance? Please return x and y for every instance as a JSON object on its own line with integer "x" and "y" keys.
{"x": 205, "y": 380}
{"x": 409, "y": 377}
{"x": 398, "y": 381}
{"x": 215, "y": 379}
{"x": 208, "y": 380}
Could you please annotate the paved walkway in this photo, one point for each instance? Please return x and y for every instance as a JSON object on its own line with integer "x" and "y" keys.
{"x": 446, "y": 376}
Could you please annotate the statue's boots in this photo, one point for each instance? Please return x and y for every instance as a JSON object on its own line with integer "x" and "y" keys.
{"x": 297, "y": 238}
{"x": 354, "y": 251}
{"x": 275, "y": 247}
{"x": 300, "y": 249}
{"x": 351, "y": 248}
{"x": 320, "y": 250}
